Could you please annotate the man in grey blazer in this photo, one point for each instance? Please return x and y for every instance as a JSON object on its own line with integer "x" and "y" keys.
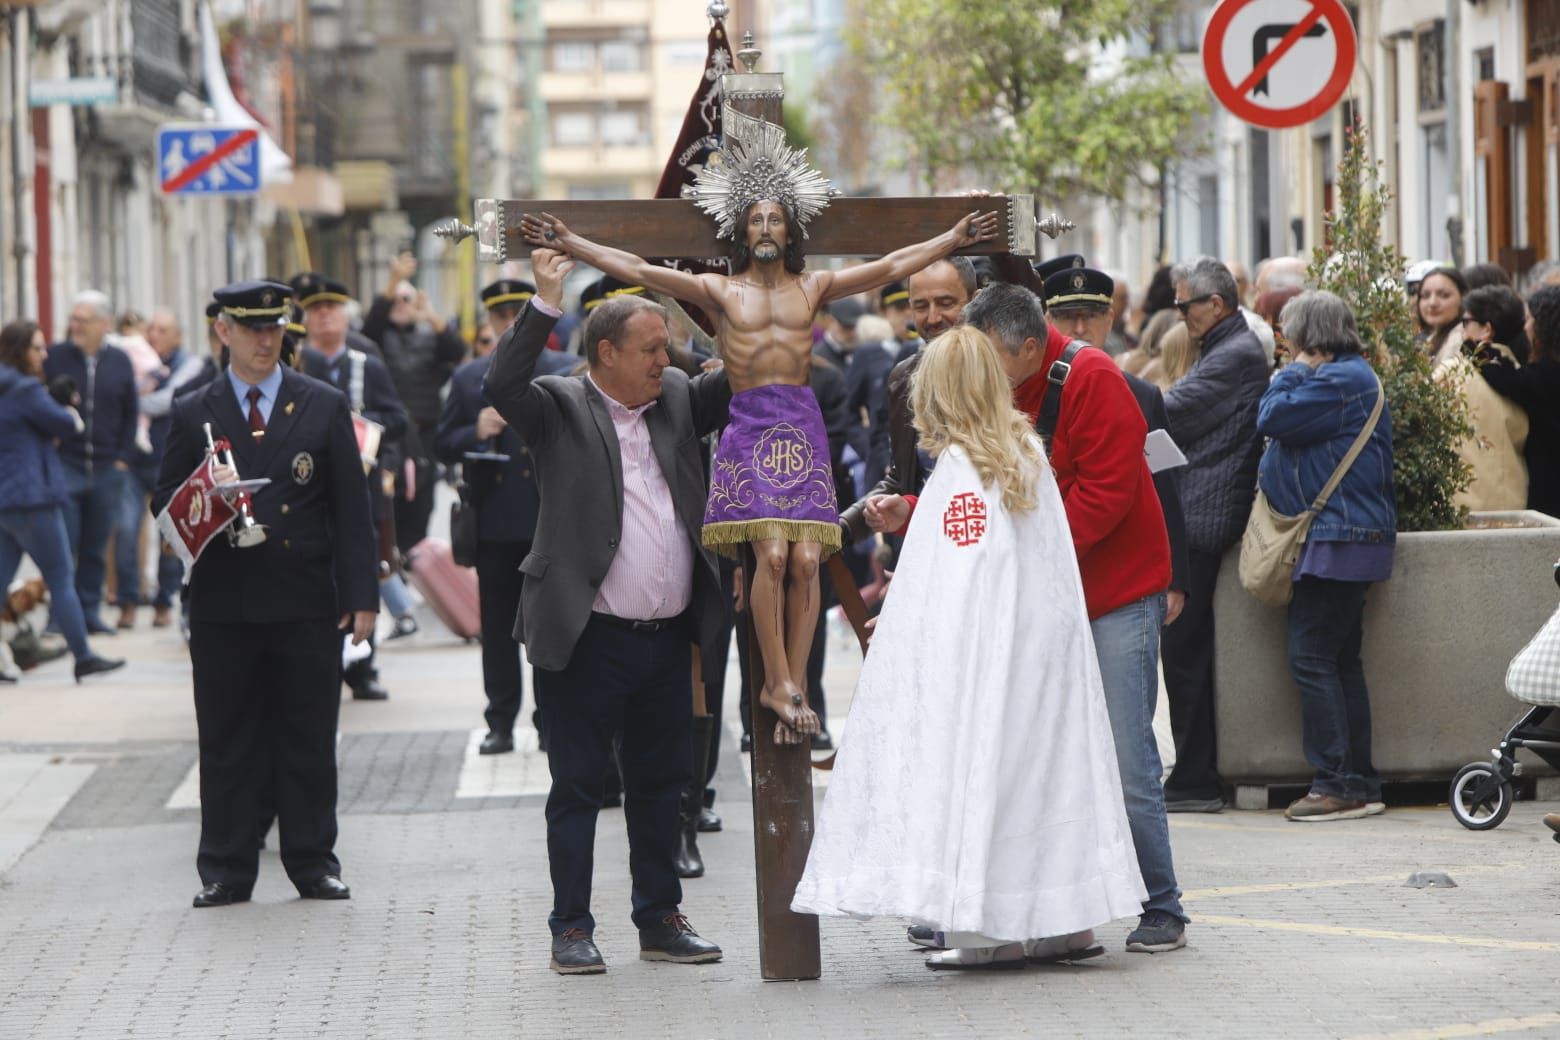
{"x": 617, "y": 586}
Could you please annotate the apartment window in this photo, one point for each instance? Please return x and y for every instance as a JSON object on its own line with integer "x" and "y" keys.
{"x": 573, "y": 129}
{"x": 573, "y": 56}
{"x": 623, "y": 129}
{"x": 621, "y": 56}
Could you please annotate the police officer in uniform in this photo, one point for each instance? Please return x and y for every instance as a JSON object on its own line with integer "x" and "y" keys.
{"x": 329, "y": 356}
{"x": 266, "y": 620}
{"x": 506, "y": 500}
{"x": 894, "y": 303}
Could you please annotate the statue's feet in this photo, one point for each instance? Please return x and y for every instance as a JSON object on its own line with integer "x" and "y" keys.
{"x": 785, "y": 735}
{"x": 786, "y": 701}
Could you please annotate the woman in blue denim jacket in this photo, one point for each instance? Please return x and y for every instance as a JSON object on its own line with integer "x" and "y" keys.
{"x": 32, "y": 486}
{"x": 1312, "y": 412}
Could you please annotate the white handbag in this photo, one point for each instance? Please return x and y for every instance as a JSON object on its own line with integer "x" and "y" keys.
{"x": 1534, "y": 674}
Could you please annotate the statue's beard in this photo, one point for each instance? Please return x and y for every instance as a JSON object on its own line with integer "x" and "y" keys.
{"x": 766, "y": 251}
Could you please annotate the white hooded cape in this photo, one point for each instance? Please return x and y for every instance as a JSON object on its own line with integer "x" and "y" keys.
{"x": 977, "y": 789}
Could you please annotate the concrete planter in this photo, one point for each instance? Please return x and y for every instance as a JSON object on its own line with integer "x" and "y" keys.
{"x": 1438, "y": 637}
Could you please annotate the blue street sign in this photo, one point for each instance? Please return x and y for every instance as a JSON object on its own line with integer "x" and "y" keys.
{"x": 202, "y": 159}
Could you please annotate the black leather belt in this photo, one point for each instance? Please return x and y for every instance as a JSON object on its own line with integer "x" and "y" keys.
{"x": 632, "y": 625}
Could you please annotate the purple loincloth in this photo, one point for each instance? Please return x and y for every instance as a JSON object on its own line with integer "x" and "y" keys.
{"x": 771, "y": 476}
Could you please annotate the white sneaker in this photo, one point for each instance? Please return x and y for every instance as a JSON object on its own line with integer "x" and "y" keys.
{"x": 1375, "y": 808}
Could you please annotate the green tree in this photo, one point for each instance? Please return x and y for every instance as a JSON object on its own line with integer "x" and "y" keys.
{"x": 1428, "y": 418}
{"x": 1058, "y": 97}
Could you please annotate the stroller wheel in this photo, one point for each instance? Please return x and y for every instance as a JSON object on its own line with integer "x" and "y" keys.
{"x": 1480, "y": 798}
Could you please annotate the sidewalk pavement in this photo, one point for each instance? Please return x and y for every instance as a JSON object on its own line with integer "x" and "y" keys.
{"x": 1299, "y": 930}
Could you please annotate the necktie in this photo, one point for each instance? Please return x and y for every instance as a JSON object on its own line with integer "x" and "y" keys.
{"x": 256, "y": 420}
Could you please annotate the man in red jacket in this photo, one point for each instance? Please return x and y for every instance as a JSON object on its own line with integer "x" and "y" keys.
{"x": 1118, "y": 530}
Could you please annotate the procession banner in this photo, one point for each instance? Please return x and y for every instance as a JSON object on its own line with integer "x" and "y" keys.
{"x": 195, "y": 515}
{"x": 700, "y": 138}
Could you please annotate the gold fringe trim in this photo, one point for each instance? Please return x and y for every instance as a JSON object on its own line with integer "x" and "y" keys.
{"x": 729, "y": 536}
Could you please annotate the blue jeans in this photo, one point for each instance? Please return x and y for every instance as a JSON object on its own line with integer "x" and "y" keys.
{"x": 397, "y": 600}
{"x": 1326, "y": 623}
{"x": 1127, "y": 643}
{"x": 93, "y": 507}
{"x": 40, "y": 533}
{"x": 127, "y": 540}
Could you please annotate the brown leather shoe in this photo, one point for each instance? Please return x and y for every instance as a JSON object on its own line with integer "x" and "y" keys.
{"x": 162, "y": 617}
{"x": 126, "y": 617}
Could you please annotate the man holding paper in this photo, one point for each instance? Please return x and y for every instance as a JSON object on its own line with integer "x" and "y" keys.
{"x": 266, "y": 612}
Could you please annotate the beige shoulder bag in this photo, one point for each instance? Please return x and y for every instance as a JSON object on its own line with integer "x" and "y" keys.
{"x": 1270, "y": 548}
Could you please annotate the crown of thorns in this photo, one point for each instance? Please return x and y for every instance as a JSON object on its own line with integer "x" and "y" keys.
{"x": 765, "y": 167}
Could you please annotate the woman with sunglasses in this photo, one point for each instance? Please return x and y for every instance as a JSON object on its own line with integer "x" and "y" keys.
{"x": 1490, "y": 327}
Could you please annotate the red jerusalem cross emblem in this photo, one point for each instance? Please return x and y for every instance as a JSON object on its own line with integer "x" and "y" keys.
{"x": 964, "y": 521}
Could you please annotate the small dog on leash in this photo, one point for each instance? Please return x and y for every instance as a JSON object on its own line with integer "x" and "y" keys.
{"x": 22, "y": 601}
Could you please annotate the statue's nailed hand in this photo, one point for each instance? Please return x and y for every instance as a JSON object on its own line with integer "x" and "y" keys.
{"x": 543, "y": 230}
{"x": 550, "y": 267}
{"x": 977, "y": 227}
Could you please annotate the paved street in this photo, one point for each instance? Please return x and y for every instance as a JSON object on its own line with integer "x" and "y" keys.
{"x": 1299, "y": 931}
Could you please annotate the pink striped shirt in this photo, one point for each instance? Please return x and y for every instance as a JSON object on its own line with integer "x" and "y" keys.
{"x": 651, "y": 576}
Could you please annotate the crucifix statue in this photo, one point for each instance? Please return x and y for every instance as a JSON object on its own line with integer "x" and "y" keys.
{"x": 771, "y": 488}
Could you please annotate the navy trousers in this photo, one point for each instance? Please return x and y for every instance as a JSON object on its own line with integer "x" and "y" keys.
{"x": 639, "y": 685}
{"x": 267, "y": 700}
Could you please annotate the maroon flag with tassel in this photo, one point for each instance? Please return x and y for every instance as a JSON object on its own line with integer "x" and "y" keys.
{"x": 700, "y": 137}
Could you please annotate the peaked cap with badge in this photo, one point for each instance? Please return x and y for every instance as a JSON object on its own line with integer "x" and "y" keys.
{"x": 604, "y": 289}
{"x": 311, "y": 287}
{"x": 507, "y": 292}
{"x": 1069, "y": 284}
{"x": 258, "y": 304}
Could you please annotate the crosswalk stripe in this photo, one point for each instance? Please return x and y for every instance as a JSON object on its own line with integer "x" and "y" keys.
{"x": 512, "y": 775}
{"x": 33, "y": 790}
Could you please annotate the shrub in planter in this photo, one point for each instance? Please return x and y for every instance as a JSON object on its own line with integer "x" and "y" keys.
{"x": 1428, "y": 418}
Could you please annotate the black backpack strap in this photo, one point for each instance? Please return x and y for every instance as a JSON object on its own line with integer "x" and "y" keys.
{"x": 1051, "y": 403}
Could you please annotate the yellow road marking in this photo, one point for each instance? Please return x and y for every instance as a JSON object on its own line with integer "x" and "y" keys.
{"x": 1381, "y": 933}
{"x": 1489, "y": 1027}
{"x": 1226, "y": 891}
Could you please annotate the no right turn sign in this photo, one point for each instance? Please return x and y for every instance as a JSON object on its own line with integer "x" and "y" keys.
{"x": 1279, "y": 63}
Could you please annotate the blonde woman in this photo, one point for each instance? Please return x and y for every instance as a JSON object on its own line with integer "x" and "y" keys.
{"x": 977, "y": 792}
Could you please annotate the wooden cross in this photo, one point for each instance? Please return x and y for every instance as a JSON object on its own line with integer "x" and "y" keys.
{"x": 677, "y": 229}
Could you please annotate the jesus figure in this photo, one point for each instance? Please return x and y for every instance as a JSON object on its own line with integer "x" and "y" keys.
{"x": 771, "y": 485}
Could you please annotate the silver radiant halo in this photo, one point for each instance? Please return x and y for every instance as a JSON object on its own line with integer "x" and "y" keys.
{"x": 764, "y": 167}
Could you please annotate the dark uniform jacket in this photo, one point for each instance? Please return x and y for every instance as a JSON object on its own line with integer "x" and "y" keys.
{"x": 504, "y": 493}
{"x": 319, "y": 559}
{"x": 565, "y": 423}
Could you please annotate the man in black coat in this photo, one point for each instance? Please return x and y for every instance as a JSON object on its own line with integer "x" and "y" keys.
{"x": 97, "y": 460}
{"x": 266, "y": 620}
{"x": 1213, "y": 416}
{"x": 617, "y": 585}
{"x": 503, "y": 492}
{"x": 421, "y": 350}
{"x": 329, "y": 357}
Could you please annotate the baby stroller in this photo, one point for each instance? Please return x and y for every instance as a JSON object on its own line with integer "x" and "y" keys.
{"x": 1481, "y": 793}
